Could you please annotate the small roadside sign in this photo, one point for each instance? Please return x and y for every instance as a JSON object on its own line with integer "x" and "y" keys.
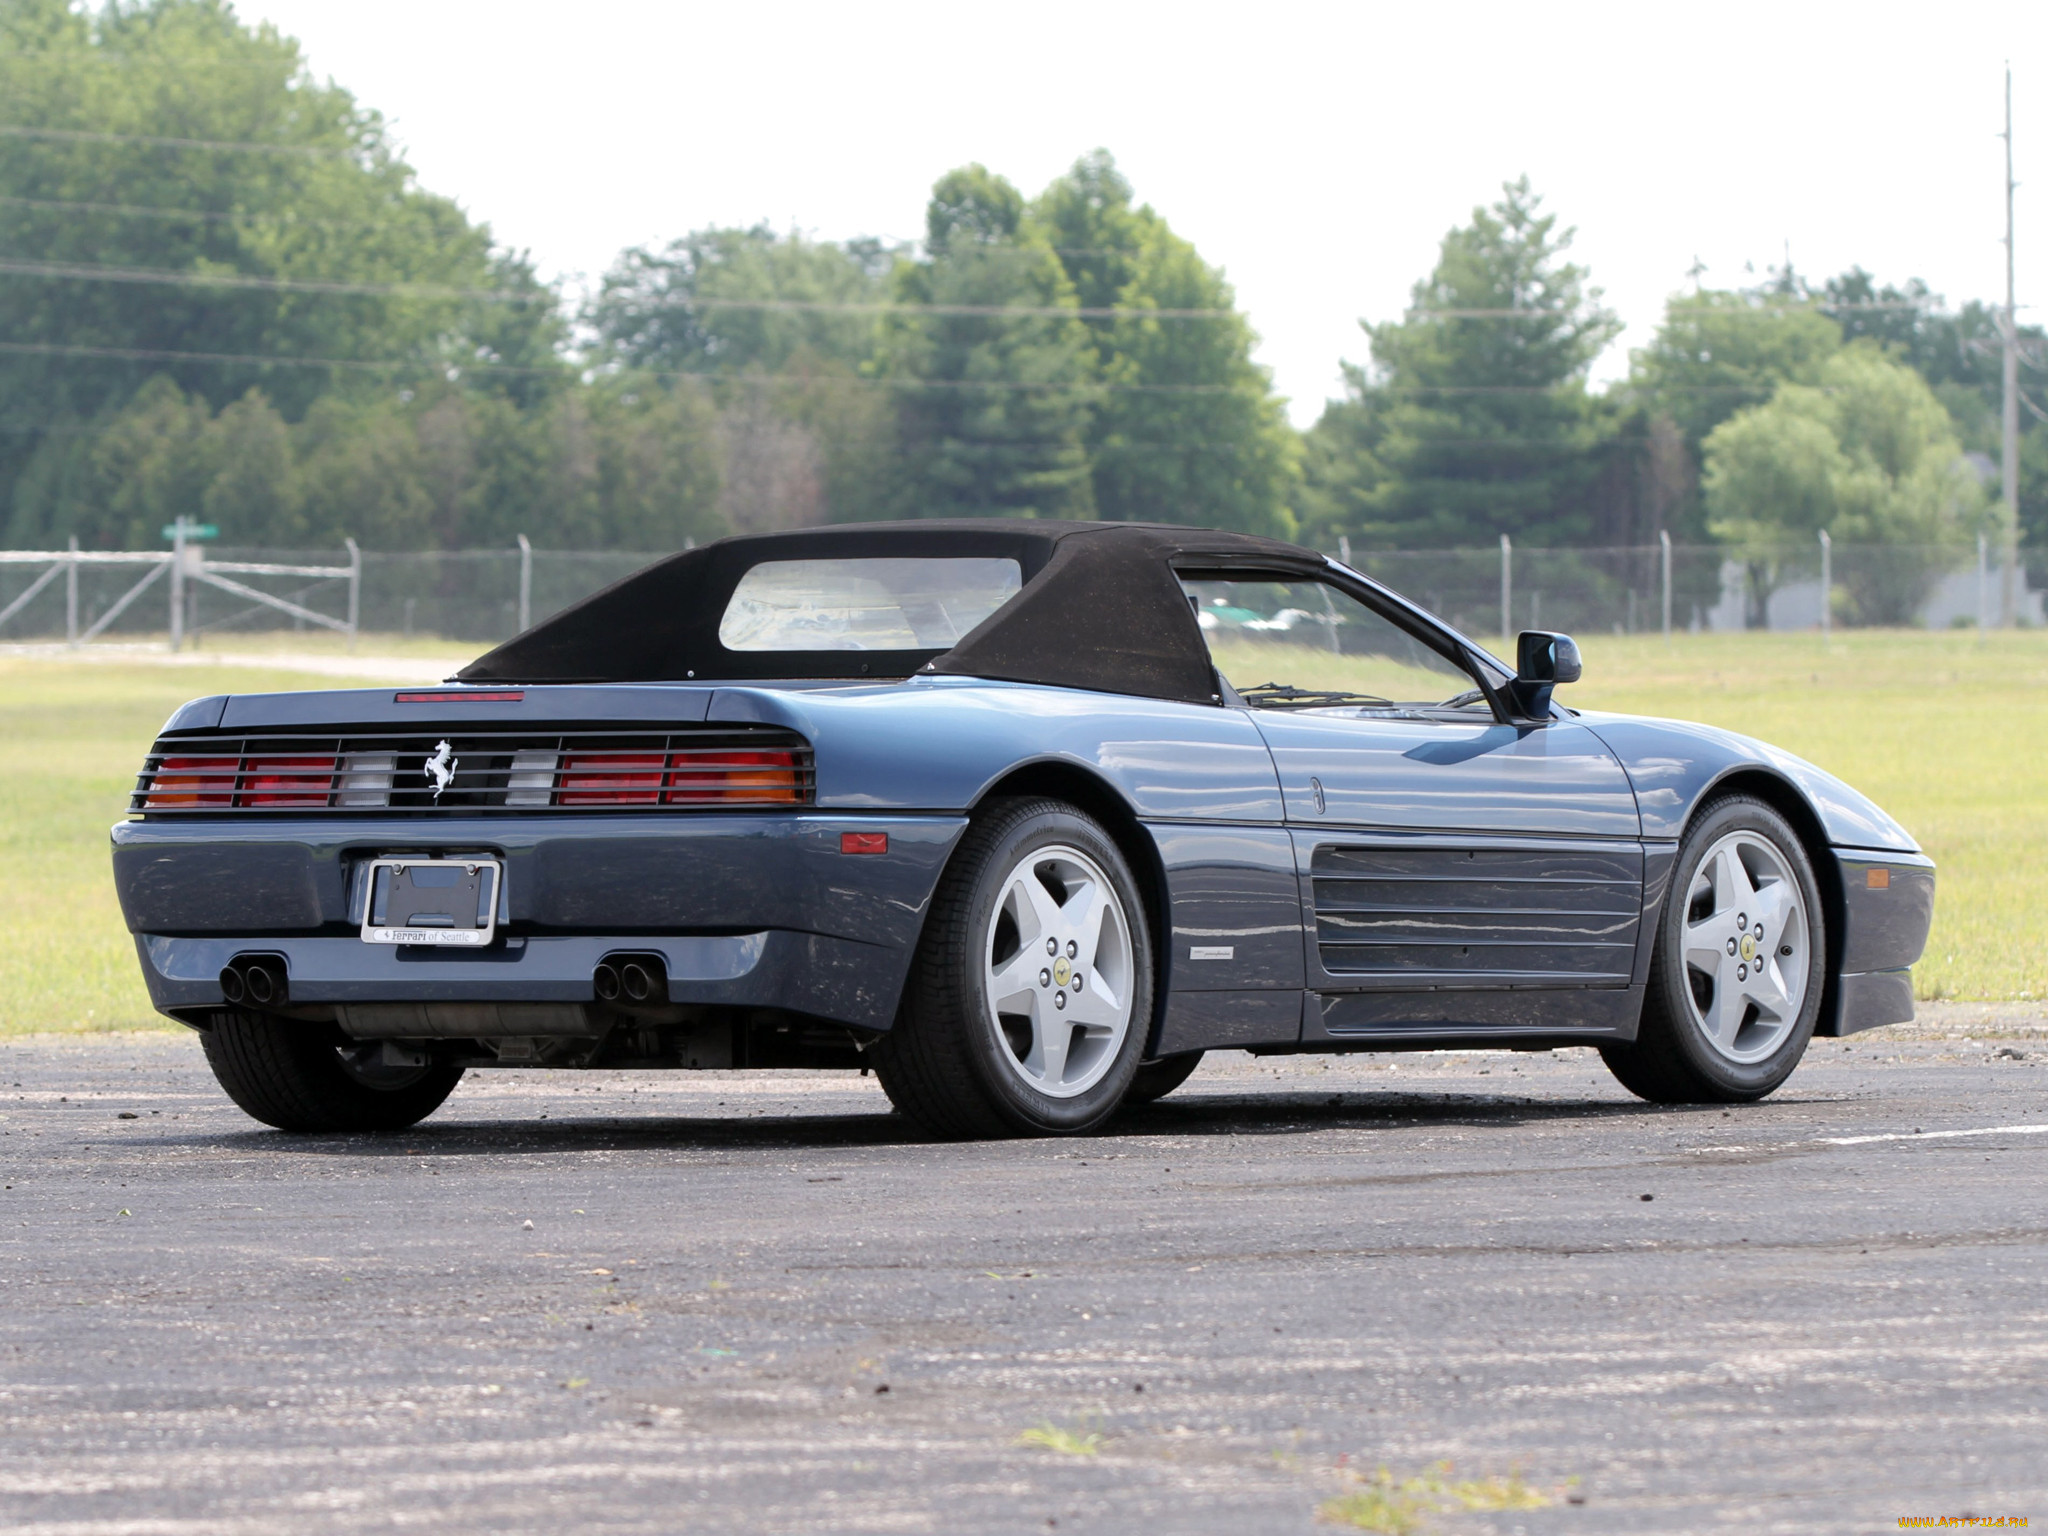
{"x": 192, "y": 531}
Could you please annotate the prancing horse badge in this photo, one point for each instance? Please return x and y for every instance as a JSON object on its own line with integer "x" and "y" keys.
{"x": 441, "y": 767}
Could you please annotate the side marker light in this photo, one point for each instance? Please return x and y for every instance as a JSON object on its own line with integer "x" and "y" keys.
{"x": 1879, "y": 879}
{"x": 863, "y": 842}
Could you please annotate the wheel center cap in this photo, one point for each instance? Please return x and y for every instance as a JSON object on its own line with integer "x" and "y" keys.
{"x": 1748, "y": 946}
{"x": 1061, "y": 971}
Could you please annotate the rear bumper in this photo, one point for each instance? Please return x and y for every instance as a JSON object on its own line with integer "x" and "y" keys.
{"x": 746, "y": 910}
{"x": 809, "y": 973}
{"x": 1887, "y": 909}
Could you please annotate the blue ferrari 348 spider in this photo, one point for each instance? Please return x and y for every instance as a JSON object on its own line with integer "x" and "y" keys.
{"x": 1025, "y": 816}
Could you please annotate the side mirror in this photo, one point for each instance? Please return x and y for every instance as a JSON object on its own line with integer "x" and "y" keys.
{"x": 1542, "y": 657}
{"x": 1542, "y": 661}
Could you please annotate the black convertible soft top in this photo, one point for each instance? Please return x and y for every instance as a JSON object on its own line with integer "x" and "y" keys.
{"x": 1101, "y": 607}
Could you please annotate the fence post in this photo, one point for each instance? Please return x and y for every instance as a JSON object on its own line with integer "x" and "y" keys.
{"x": 1507, "y": 589}
{"x": 71, "y": 595}
{"x": 1827, "y": 586}
{"x": 1664, "y": 572}
{"x": 525, "y": 584}
{"x": 1983, "y": 586}
{"x": 355, "y": 591}
{"x": 177, "y": 582}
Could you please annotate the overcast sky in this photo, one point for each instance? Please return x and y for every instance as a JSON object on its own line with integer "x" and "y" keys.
{"x": 1316, "y": 152}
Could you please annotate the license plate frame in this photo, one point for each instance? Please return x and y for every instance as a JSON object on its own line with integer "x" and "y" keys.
{"x": 464, "y": 905}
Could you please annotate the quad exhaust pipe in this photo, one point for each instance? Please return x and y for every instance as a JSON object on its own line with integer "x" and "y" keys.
{"x": 630, "y": 979}
{"x": 256, "y": 980}
{"x": 260, "y": 981}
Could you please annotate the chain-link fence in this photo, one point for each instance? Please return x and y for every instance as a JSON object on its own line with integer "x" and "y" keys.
{"x": 487, "y": 595}
{"x": 1650, "y": 588}
{"x": 481, "y": 595}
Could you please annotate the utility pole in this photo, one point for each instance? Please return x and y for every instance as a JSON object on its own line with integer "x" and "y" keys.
{"x": 2010, "y": 599}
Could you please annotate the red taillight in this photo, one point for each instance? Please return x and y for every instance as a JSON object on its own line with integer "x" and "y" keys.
{"x": 189, "y": 781}
{"x": 286, "y": 781}
{"x": 611, "y": 772}
{"x": 720, "y": 776}
{"x": 610, "y": 778}
{"x": 702, "y": 776}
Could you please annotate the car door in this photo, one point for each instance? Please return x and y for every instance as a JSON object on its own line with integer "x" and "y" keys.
{"x": 1460, "y": 869}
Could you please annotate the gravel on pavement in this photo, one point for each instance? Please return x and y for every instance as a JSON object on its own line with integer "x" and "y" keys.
{"x": 755, "y": 1302}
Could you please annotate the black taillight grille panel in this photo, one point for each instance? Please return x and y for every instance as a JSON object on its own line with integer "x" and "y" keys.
{"x": 469, "y": 772}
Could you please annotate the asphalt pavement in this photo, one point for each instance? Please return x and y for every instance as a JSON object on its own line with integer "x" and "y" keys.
{"x": 754, "y": 1302}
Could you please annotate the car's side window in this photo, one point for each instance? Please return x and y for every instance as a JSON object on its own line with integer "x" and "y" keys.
{"x": 1293, "y": 643}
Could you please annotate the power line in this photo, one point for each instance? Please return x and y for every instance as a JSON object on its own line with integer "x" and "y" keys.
{"x": 450, "y": 370}
{"x": 454, "y": 369}
{"x": 195, "y": 215}
{"x": 253, "y": 360}
{"x": 87, "y": 272}
{"x": 81, "y": 136}
{"x": 141, "y": 211}
{"x": 83, "y": 272}
{"x": 1763, "y": 311}
{"x": 1023, "y": 311}
{"x": 1812, "y": 306}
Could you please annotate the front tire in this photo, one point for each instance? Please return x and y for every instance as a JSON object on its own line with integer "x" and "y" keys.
{"x": 1030, "y": 998}
{"x": 1738, "y": 967}
{"x": 308, "y": 1078}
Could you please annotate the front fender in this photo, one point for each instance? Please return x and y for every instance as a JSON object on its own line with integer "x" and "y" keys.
{"x": 1675, "y": 764}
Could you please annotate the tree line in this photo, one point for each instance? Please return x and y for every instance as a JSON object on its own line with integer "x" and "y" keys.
{"x": 224, "y": 295}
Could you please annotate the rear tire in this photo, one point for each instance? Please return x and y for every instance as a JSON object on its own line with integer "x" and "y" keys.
{"x": 1156, "y": 1079}
{"x": 1731, "y": 1004}
{"x": 308, "y": 1078}
{"x": 1028, "y": 1004}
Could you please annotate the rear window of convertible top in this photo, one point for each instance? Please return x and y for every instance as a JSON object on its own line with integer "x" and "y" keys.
{"x": 865, "y": 604}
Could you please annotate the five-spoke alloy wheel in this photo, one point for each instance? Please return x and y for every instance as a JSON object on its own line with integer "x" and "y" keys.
{"x": 1057, "y": 981}
{"x": 1029, "y": 1001}
{"x": 1747, "y": 947}
{"x": 1738, "y": 966}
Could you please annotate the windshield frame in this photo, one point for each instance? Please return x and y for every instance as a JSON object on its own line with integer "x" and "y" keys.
{"x": 1424, "y": 627}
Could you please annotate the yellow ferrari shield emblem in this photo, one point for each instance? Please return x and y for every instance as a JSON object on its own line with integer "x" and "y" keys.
{"x": 1061, "y": 971}
{"x": 1748, "y": 947}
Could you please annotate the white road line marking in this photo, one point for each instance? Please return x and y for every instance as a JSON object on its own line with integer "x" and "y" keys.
{"x": 1860, "y": 1141}
{"x": 1989, "y": 1130}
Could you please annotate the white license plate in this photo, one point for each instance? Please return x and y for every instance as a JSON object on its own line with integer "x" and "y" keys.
{"x": 432, "y": 901}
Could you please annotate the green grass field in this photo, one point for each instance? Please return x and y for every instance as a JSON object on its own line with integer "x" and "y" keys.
{"x": 1948, "y": 735}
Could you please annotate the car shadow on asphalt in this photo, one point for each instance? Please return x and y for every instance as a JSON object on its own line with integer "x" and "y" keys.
{"x": 1213, "y": 1114}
